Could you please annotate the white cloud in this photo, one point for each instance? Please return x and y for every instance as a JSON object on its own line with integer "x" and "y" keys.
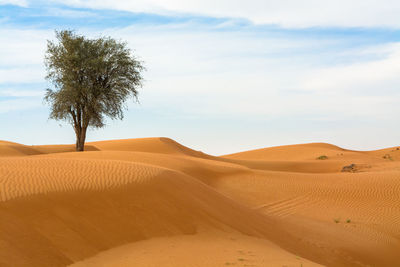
{"x": 377, "y": 77}
{"x": 67, "y": 13}
{"x": 22, "y": 47}
{"x": 20, "y": 75}
{"x": 22, "y": 55}
{"x": 22, "y": 3}
{"x": 20, "y": 93}
{"x": 286, "y": 13}
{"x": 19, "y": 104}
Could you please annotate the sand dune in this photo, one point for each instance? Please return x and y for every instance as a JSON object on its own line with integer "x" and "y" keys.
{"x": 9, "y": 149}
{"x": 155, "y": 202}
{"x": 205, "y": 249}
{"x": 289, "y": 152}
{"x": 160, "y": 145}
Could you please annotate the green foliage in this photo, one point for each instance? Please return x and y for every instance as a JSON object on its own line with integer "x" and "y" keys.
{"x": 92, "y": 80}
{"x": 323, "y": 157}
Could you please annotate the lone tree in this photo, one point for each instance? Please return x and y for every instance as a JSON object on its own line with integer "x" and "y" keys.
{"x": 93, "y": 78}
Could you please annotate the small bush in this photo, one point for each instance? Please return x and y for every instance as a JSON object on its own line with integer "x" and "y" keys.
{"x": 388, "y": 156}
{"x": 348, "y": 221}
{"x": 350, "y": 168}
{"x": 323, "y": 157}
{"x": 336, "y": 220}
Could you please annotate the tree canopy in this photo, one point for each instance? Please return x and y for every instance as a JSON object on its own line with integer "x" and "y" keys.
{"x": 92, "y": 78}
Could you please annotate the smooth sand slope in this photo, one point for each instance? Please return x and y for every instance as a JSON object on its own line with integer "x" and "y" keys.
{"x": 154, "y": 202}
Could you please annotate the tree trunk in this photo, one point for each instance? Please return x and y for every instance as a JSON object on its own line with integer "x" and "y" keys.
{"x": 80, "y": 138}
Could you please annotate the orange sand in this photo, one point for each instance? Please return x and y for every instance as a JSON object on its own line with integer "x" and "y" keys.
{"x": 154, "y": 202}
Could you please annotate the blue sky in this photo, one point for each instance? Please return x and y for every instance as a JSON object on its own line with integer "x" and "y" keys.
{"x": 220, "y": 77}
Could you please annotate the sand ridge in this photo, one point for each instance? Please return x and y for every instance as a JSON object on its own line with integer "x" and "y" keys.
{"x": 153, "y": 196}
{"x": 213, "y": 249}
{"x": 10, "y": 149}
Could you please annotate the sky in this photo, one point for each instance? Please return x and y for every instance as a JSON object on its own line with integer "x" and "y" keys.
{"x": 222, "y": 77}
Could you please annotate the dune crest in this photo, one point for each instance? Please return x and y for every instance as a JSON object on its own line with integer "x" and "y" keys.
{"x": 160, "y": 145}
{"x": 10, "y": 149}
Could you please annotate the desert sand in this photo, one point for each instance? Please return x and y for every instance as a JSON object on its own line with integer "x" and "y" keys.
{"x": 155, "y": 202}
